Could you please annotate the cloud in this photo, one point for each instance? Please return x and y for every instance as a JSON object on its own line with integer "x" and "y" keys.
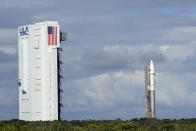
{"x": 94, "y": 61}
{"x": 121, "y": 57}
{"x": 7, "y": 57}
{"x": 6, "y": 99}
{"x": 104, "y": 91}
{"x": 175, "y": 90}
{"x": 103, "y": 59}
{"x": 9, "y": 50}
{"x": 8, "y": 90}
{"x": 180, "y": 35}
{"x": 179, "y": 52}
{"x": 8, "y": 36}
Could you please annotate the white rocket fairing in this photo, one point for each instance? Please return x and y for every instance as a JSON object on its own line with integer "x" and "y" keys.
{"x": 150, "y": 90}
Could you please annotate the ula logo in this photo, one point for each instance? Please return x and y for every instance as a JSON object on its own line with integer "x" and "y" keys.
{"x": 24, "y": 31}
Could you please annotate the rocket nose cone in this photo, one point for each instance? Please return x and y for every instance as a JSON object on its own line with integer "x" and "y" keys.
{"x": 151, "y": 67}
{"x": 151, "y": 62}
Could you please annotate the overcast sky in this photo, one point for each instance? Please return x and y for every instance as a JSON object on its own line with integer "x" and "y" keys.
{"x": 109, "y": 43}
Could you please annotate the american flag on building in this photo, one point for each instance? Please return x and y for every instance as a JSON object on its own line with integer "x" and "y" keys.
{"x": 52, "y": 35}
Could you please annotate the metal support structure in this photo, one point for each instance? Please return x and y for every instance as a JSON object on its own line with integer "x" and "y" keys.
{"x": 63, "y": 37}
{"x": 59, "y": 72}
{"x": 147, "y": 93}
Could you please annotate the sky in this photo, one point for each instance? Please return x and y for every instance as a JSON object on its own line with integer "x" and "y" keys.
{"x": 109, "y": 43}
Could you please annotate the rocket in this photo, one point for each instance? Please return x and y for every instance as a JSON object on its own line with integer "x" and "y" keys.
{"x": 150, "y": 90}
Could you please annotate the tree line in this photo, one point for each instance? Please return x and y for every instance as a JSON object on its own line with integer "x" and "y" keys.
{"x": 142, "y": 124}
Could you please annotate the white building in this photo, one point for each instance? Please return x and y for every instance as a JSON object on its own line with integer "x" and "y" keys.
{"x": 40, "y": 71}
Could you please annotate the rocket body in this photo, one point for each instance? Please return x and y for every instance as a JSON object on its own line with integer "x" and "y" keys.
{"x": 150, "y": 90}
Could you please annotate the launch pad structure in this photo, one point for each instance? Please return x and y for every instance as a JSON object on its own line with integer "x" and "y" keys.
{"x": 40, "y": 72}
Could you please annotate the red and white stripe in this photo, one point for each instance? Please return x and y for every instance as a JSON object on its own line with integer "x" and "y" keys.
{"x": 52, "y": 38}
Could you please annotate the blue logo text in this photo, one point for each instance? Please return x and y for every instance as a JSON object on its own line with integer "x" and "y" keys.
{"x": 24, "y": 31}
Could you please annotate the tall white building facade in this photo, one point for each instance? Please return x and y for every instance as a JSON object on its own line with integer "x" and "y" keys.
{"x": 40, "y": 71}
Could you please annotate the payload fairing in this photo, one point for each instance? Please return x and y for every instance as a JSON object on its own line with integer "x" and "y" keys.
{"x": 39, "y": 53}
{"x": 150, "y": 91}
